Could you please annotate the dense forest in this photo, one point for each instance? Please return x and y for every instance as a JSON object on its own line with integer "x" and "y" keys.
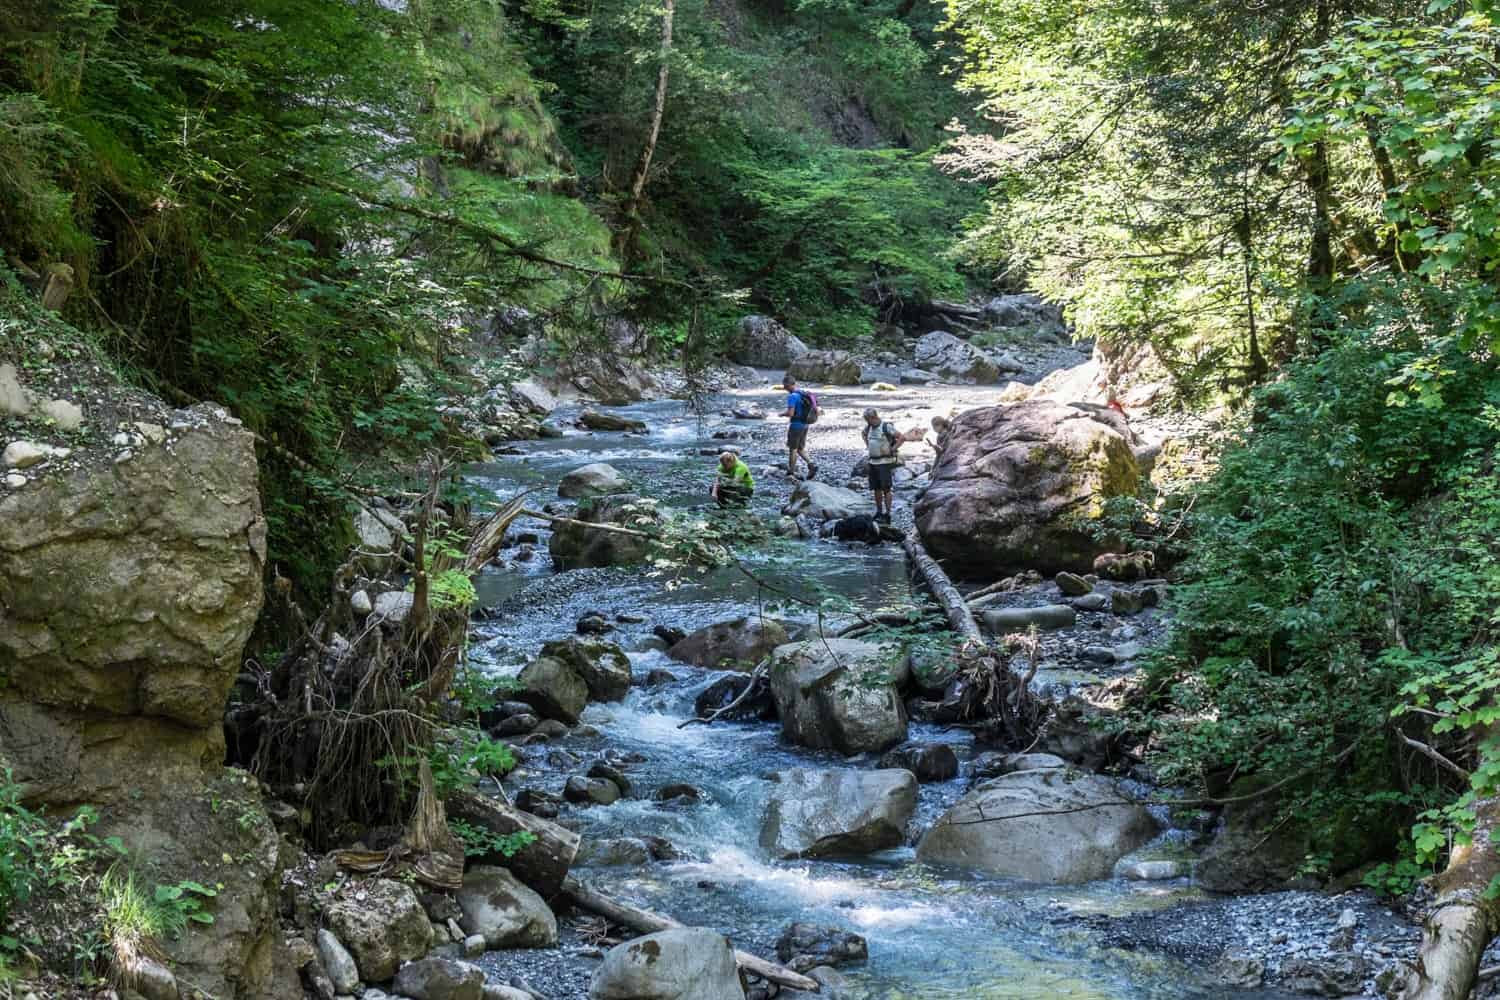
{"x": 319, "y": 215}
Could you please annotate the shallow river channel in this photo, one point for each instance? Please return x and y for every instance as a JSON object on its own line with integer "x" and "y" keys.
{"x": 932, "y": 933}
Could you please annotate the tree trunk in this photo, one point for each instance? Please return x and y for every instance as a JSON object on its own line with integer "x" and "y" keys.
{"x": 960, "y": 618}
{"x": 543, "y": 864}
{"x": 1463, "y": 918}
{"x": 646, "y": 922}
{"x": 631, "y": 212}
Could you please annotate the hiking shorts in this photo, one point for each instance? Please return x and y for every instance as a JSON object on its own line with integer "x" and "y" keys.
{"x": 796, "y": 438}
{"x": 882, "y": 477}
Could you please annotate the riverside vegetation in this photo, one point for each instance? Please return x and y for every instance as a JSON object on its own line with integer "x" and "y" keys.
{"x": 351, "y": 241}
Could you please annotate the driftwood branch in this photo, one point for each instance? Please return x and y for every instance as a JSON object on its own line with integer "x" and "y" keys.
{"x": 543, "y": 863}
{"x": 646, "y": 922}
{"x": 612, "y": 528}
{"x": 711, "y": 717}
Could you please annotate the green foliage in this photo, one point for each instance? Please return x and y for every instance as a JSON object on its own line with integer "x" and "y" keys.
{"x": 136, "y": 921}
{"x": 183, "y": 903}
{"x": 763, "y": 177}
{"x": 479, "y": 842}
{"x": 1327, "y": 590}
{"x": 199, "y": 165}
{"x": 459, "y": 762}
{"x": 38, "y": 858}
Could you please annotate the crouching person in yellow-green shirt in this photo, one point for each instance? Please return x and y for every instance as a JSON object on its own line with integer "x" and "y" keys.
{"x": 733, "y": 486}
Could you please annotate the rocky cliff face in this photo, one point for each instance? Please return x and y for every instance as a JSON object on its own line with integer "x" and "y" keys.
{"x": 127, "y": 590}
{"x": 130, "y": 578}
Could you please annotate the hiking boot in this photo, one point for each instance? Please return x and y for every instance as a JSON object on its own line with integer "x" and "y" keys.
{"x": 882, "y": 519}
{"x": 812, "y": 471}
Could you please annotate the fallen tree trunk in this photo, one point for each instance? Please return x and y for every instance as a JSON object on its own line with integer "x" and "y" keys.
{"x": 960, "y": 618}
{"x": 957, "y": 309}
{"x": 543, "y": 864}
{"x": 1464, "y": 918}
{"x": 646, "y": 922}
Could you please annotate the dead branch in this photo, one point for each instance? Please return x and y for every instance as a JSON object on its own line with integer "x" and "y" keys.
{"x": 758, "y": 674}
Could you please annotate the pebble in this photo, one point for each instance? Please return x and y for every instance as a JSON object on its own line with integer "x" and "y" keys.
{"x": 25, "y": 454}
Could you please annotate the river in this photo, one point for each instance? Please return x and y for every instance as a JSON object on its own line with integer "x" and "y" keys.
{"x": 932, "y": 933}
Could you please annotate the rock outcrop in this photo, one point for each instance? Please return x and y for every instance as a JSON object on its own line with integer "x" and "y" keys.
{"x": 945, "y": 354}
{"x": 840, "y": 812}
{"x": 765, "y": 343}
{"x": 838, "y": 694}
{"x": 1050, "y": 825}
{"x": 127, "y": 591}
{"x": 1015, "y": 485}
{"x": 825, "y": 368}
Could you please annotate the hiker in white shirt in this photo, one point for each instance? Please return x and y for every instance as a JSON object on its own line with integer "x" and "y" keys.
{"x": 884, "y": 443}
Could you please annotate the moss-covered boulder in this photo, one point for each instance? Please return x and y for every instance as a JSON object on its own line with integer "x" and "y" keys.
{"x": 1016, "y": 486}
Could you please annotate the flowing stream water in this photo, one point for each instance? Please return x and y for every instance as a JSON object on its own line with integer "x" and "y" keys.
{"x": 932, "y": 933}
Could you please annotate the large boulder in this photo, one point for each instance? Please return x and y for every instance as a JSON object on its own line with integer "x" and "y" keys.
{"x": 596, "y": 479}
{"x": 128, "y": 590}
{"x": 575, "y": 546}
{"x": 507, "y": 914}
{"x": 1048, "y": 825}
{"x": 530, "y": 396}
{"x": 733, "y": 645}
{"x": 825, "y": 503}
{"x": 596, "y": 420}
{"x": 1016, "y": 485}
{"x": 838, "y": 694}
{"x": 602, "y": 666}
{"x": 382, "y": 924}
{"x": 765, "y": 343}
{"x": 945, "y": 354}
{"x": 685, "y": 963}
{"x": 826, "y": 368}
{"x": 839, "y": 812}
{"x": 552, "y": 687}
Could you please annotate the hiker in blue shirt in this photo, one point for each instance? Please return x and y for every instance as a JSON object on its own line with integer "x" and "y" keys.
{"x": 802, "y": 411}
